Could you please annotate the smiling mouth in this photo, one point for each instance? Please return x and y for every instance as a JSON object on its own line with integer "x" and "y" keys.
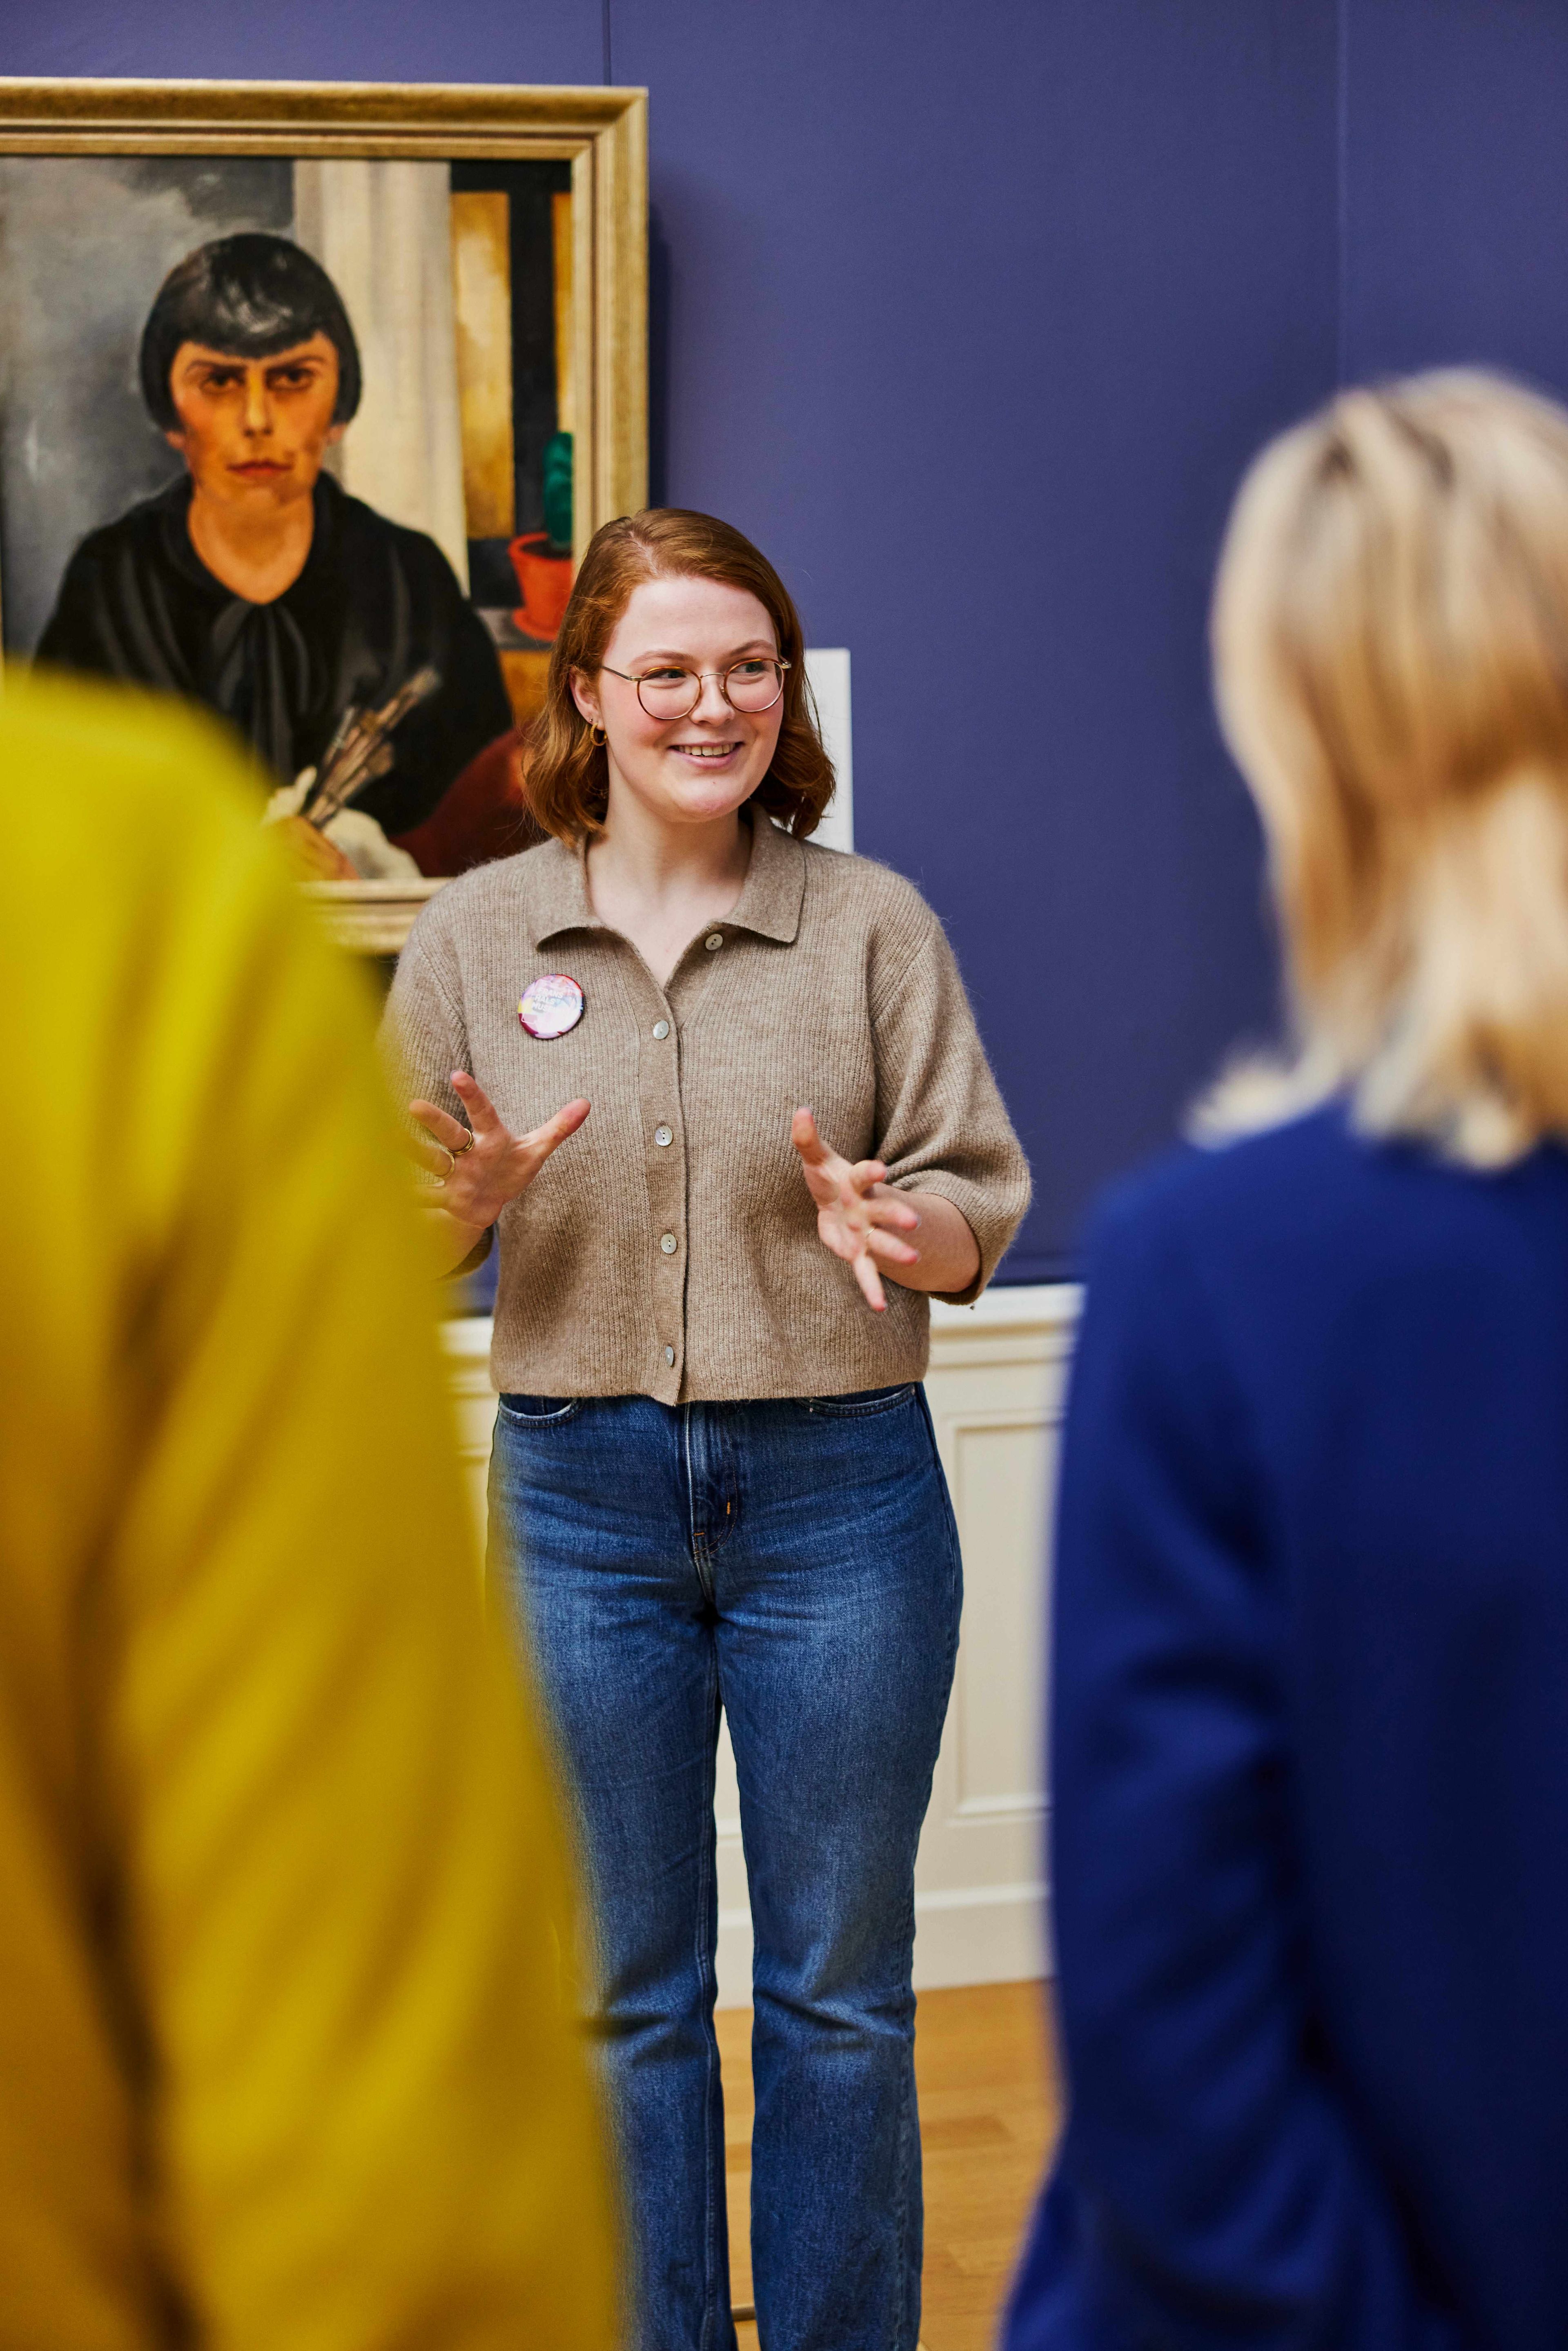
{"x": 705, "y": 750}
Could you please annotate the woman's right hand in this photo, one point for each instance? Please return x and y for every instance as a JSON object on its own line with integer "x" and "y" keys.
{"x": 481, "y": 1168}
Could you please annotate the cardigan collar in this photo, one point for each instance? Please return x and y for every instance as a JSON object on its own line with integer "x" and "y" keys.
{"x": 768, "y": 904}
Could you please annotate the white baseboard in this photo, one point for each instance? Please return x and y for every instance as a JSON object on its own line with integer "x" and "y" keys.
{"x": 979, "y": 1934}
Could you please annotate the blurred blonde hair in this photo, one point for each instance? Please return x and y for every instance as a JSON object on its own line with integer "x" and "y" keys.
{"x": 1390, "y": 636}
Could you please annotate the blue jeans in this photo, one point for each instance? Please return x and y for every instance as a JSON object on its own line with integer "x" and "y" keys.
{"x": 797, "y": 1564}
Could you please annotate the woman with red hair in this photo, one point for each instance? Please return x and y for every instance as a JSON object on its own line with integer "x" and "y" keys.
{"x": 712, "y": 1087}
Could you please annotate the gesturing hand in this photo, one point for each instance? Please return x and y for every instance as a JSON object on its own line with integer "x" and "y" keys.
{"x": 856, "y": 1214}
{"x": 481, "y": 1167}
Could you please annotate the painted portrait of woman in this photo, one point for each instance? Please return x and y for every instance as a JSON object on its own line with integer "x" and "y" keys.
{"x": 293, "y": 440}
{"x": 255, "y": 583}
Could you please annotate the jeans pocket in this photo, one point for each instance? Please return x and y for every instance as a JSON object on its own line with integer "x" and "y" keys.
{"x": 539, "y": 1410}
{"x": 864, "y": 1403}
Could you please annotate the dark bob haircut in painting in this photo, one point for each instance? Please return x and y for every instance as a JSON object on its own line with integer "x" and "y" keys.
{"x": 251, "y": 296}
{"x": 566, "y": 775}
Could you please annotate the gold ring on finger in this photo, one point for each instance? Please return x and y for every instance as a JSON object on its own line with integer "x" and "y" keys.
{"x": 466, "y": 1145}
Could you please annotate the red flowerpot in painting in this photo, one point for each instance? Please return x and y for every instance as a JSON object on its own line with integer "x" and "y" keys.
{"x": 545, "y": 580}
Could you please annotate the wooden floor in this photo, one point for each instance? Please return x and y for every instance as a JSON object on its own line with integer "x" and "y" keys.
{"x": 988, "y": 2113}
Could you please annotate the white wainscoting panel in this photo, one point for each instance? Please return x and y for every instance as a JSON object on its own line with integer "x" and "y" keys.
{"x": 467, "y": 1344}
{"x": 994, "y": 1387}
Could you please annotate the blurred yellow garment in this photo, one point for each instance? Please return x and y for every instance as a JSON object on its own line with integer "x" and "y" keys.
{"x": 285, "y": 2058}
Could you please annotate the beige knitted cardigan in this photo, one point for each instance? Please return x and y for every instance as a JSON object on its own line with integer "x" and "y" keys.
{"x": 669, "y": 1249}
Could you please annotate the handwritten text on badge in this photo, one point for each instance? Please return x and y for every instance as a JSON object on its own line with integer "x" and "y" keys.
{"x": 551, "y": 1005}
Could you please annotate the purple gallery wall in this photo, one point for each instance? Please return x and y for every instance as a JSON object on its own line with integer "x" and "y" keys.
{"x": 1457, "y": 186}
{"x": 971, "y": 318}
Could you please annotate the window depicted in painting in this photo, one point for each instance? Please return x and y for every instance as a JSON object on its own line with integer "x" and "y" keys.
{"x": 294, "y": 441}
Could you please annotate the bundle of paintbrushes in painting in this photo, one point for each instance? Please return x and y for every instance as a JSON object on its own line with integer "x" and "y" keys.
{"x": 360, "y": 750}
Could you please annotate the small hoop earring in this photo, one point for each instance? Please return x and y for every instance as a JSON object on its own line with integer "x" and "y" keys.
{"x": 599, "y": 737}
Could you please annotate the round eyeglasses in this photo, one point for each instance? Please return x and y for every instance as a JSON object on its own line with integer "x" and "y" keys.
{"x": 753, "y": 684}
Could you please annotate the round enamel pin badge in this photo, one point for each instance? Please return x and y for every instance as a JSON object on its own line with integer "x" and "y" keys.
{"x": 551, "y": 1005}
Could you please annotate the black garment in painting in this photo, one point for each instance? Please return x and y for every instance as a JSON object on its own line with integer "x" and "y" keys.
{"x": 374, "y": 603}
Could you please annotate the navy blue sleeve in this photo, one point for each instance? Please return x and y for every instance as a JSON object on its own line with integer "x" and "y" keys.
{"x": 1211, "y": 2190}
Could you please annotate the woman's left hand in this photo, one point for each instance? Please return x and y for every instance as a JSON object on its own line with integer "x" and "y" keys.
{"x": 857, "y": 1216}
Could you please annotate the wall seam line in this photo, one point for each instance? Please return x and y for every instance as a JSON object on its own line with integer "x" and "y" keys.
{"x": 1342, "y": 192}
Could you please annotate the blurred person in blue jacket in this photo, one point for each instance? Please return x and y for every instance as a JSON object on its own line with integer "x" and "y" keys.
{"x": 1310, "y": 1742}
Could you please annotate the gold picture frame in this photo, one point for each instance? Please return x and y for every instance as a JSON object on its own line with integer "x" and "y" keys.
{"x": 599, "y": 133}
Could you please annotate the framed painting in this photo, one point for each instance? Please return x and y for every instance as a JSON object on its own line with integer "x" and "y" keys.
{"x": 311, "y": 397}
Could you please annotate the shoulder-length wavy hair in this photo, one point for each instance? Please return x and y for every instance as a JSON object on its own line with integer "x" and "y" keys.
{"x": 568, "y": 780}
{"x": 1391, "y": 651}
